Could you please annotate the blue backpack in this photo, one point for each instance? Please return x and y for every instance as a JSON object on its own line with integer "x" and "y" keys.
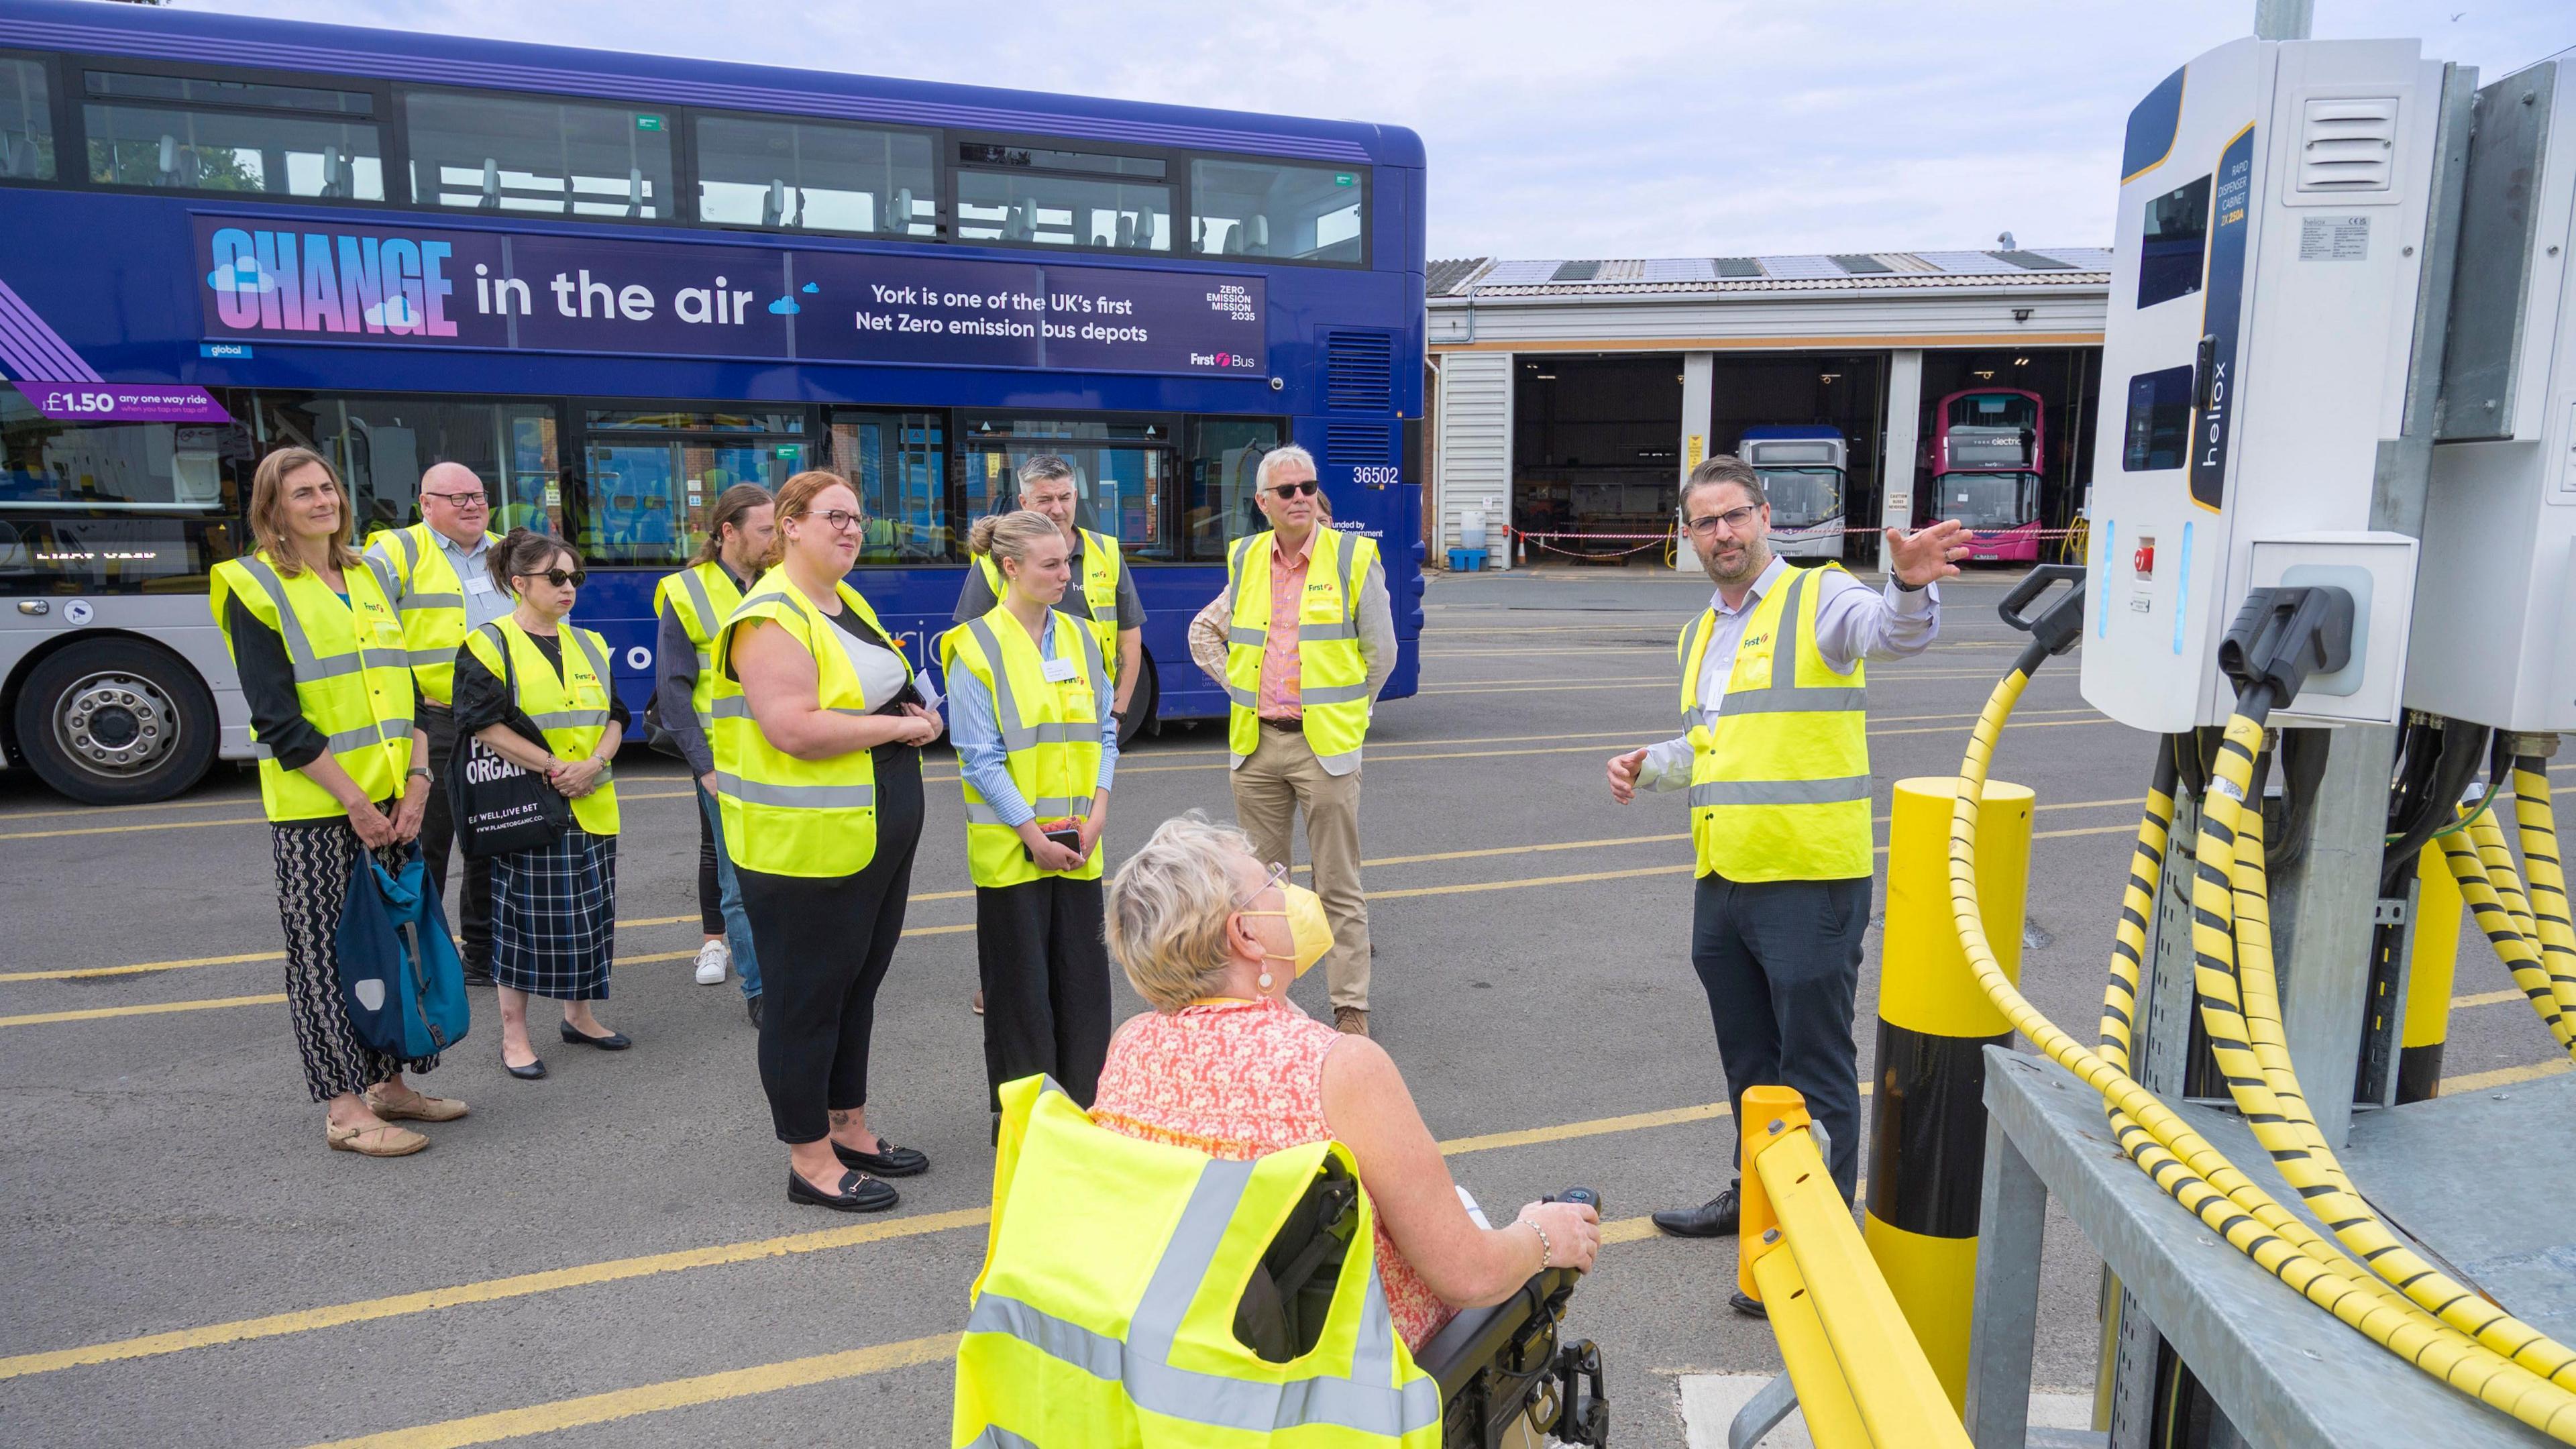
{"x": 401, "y": 980}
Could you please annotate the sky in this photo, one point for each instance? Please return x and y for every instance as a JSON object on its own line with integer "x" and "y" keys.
{"x": 1616, "y": 128}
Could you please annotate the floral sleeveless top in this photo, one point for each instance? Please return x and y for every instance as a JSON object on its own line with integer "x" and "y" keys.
{"x": 1237, "y": 1079}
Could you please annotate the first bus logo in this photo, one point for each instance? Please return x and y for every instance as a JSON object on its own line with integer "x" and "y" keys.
{"x": 329, "y": 282}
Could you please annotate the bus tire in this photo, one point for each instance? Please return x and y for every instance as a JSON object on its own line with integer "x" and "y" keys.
{"x": 1141, "y": 704}
{"x": 116, "y": 722}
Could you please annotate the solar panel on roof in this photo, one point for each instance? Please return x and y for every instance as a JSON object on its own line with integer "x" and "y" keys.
{"x": 1737, "y": 266}
{"x": 1576, "y": 272}
{"x": 2033, "y": 261}
{"x": 1859, "y": 265}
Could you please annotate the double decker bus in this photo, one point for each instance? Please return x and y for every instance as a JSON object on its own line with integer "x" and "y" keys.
{"x": 1987, "y": 446}
{"x": 614, "y": 285}
{"x": 1802, "y": 467}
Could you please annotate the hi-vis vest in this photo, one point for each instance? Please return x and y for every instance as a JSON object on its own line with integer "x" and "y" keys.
{"x": 783, "y": 815}
{"x": 705, "y": 597}
{"x": 1332, "y": 678}
{"x": 424, "y": 588}
{"x": 1050, "y": 729}
{"x": 1099, "y": 585}
{"x": 1780, "y": 774}
{"x": 352, "y": 677}
{"x": 1104, "y": 1315}
{"x": 571, "y": 707}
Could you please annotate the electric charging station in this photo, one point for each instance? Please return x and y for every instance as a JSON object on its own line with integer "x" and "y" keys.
{"x": 2335, "y": 513}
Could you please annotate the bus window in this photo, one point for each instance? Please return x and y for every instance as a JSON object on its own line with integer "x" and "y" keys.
{"x": 381, "y": 446}
{"x": 1802, "y": 497}
{"x": 1034, "y": 196}
{"x": 189, "y": 134}
{"x": 26, "y": 123}
{"x": 1123, "y": 474}
{"x": 898, "y": 462}
{"x": 649, "y": 482}
{"x": 1225, "y": 458}
{"x": 504, "y": 153}
{"x": 1264, "y": 209}
{"x": 813, "y": 176}
{"x": 122, "y": 467}
{"x": 1989, "y": 500}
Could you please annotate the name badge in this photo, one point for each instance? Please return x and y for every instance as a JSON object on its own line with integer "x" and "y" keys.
{"x": 1059, "y": 671}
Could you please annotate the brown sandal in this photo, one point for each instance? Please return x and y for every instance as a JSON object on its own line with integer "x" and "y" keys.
{"x": 414, "y": 1107}
{"x": 382, "y": 1140}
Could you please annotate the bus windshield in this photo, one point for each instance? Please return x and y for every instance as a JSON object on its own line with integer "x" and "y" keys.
{"x": 1988, "y": 500}
{"x": 1802, "y": 497}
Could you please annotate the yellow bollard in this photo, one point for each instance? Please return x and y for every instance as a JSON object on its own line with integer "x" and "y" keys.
{"x": 2429, "y": 963}
{"x": 1927, "y": 1139}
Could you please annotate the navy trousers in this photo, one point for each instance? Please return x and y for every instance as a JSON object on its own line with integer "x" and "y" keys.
{"x": 1780, "y": 961}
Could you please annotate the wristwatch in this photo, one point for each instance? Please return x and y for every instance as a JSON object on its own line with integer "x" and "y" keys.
{"x": 1911, "y": 588}
{"x": 421, "y": 770}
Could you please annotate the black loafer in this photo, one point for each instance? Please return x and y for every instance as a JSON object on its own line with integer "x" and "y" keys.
{"x": 751, "y": 1006}
{"x": 533, "y": 1072}
{"x": 1747, "y": 1305}
{"x": 615, "y": 1041}
{"x": 887, "y": 1161}
{"x": 479, "y": 976}
{"x": 1712, "y": 1219}
{"x": 859, "y": 1193}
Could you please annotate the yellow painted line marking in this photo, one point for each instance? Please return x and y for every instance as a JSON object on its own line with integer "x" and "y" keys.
{"x": 1472, "y": 887}
{"x": 619, "y": 1404}
{"x": 1634, "y": 1121}
{"x": 2487, "y": 998}
{"x": 97, "y": 1013}
{"x": 2505, "y": 1076}
{"x": 86, "y": 972}
{"x": 126, "y": 829}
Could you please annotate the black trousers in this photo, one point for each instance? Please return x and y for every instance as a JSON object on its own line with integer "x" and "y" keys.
{"x": 1045, "y": 969}
{"x": 824, "y": 944}
{"x": 438, "y": 835}
{"x": 1780, "y": 961}
{"x": 711, "y": 921}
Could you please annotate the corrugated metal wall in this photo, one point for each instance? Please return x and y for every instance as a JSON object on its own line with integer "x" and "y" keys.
{"x": 1475, "y": 449}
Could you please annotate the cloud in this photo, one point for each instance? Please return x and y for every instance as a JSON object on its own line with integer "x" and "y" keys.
{"x": 244, "y": 275}
{"x": 809, "y": 287}
{"x": 785, "y": 307}
{"x": 394, "y": 311}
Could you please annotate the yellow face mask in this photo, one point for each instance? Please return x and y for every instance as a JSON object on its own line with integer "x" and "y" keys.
{"x": 1309, "y": 934}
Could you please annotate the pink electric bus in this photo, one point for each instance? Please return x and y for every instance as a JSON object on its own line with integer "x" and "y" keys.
{"x": 1987, "y": 446}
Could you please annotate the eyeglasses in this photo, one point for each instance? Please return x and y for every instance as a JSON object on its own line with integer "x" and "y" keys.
{"x": 477, "y": 499}
{"x": 1733, "y": 520}
{"x": 841, "y": 520}
{"x": 560, "y": 578}
{"x": 1307, "y": 489}
{"x": 1277, "y": 874}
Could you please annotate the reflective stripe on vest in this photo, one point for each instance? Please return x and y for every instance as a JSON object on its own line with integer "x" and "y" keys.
{"x": 704, "y": 595}
{"x": 425, "y": 590}
{"x": 1050, "y": 735}
{"x": 357, "y": 693}
{"x": 571, "y": 708}
{"x": 1780, "y": 782}
{"x": 783, "y": 815}
{"x": 1161, "y": 1365}
{"x": 1332, "y": 675}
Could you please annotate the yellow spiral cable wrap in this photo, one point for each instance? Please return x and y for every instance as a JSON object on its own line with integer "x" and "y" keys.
{"x": 2521, "y": 957}
{"x": 2538, "y": 825}
{"x": 2183, "y": 1164}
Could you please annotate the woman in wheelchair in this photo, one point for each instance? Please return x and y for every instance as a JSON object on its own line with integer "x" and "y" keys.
{"x": 1225, "y": 1065}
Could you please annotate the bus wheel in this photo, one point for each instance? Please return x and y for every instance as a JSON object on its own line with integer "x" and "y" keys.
{"x": 116, "y": 722}
{"x": 1141, "y": 704}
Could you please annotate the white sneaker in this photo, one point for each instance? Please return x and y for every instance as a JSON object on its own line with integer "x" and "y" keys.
{"x": 713, "y": 962}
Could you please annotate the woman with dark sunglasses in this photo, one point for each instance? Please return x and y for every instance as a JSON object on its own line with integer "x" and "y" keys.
{"x": 554, "y": 906}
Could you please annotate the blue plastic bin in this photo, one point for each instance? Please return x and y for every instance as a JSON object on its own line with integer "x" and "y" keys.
{"x": 1466, "y": 560}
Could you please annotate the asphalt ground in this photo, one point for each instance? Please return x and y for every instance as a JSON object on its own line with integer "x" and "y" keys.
{"x": 608, "y": 1257}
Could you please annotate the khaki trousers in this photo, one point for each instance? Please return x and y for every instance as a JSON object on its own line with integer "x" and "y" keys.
{"x": 1281, "y": 775}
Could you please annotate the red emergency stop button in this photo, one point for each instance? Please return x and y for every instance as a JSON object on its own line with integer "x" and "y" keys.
{"x": 2144, "y": 560}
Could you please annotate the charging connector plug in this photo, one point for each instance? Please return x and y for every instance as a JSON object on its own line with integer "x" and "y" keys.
{"x": 2283, "y": 635}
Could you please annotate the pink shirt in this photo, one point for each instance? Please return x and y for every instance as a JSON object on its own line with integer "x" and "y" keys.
{"x": 1279, "y": 697}
{"x": 1237, "y": 1079}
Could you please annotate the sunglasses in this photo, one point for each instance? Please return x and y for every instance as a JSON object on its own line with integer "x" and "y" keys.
{"x": 1307, "y": 489}
{"x": 562, "y": 578}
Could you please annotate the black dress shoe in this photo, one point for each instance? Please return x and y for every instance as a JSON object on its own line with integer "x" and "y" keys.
{"x": 615, "y": 1041}
{"x": 751, "y": 1005}
{"x": 887, "y": 1161}
{"x": 478, "y": 976}
{"x": 859, "y": 1193}
{"x": 1747, "y": 1305}
{"x": 533, "y": 1072}
{"x": 1712, "y": 1219}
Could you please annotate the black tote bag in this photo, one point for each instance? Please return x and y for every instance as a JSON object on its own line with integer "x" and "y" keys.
{"x": 499, "y": 807}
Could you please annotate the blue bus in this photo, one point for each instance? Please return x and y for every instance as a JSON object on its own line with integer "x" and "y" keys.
{"x": 1803, "y": 471}
{"x": 613, "y": 285}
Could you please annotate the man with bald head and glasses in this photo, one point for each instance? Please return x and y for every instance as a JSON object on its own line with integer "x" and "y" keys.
{"x": 1776, "y": 759}
{"x": 1301, "y": 640}
{"x": 437, "y": 574}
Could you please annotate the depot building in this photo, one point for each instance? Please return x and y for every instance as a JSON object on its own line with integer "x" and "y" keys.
{"x": 1570, "y": 397}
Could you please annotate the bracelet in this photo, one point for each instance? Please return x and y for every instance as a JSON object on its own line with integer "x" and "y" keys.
{"x": 1546, "y": 1250}
{"x": 421, "y": 770}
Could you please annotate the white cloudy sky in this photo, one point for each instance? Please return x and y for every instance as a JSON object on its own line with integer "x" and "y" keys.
{"x": 1558, "y": 128}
